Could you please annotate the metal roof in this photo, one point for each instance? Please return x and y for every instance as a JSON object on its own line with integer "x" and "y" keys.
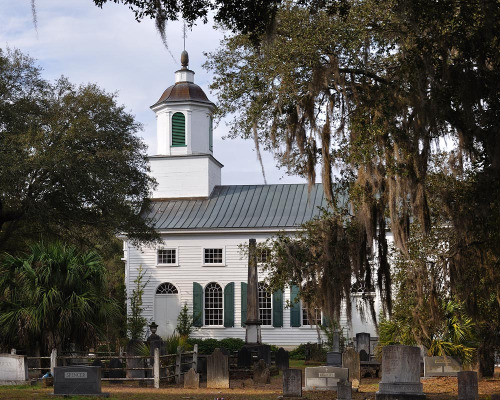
{"x": 240, "y": 207}
{"x": 183, "y": 91}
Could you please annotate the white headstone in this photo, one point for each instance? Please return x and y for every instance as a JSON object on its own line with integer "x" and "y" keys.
{"x": 325, "y": 378}
{"x": 441, "y": 366}
{"x": 13, "y": 369}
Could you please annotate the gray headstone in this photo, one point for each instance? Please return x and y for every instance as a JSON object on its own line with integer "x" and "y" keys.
{"x": 441, "y": 366}
{"x": 350, "y": 360}
{"x": 261, "y": 373}
{"x": 191, "y": 379}
{"x": 325, "y": 378}
{"x": 116, "y": 373}
{"x": 334, "y": 358}
{"x": 264, "y": 353}
{"x": 217, "y": 370}
{"x": 400, "y": 373}
{"x": 13, "y": 369}
{"x": 336, "y": 341}
{"x": 344, "y": 390}
{"x": 292, "y": 383}
{"x": 133, "y": 349}
{"x": 282, "y": 359}
{"x": 244, "y": 358}
{"x": 363, "y": 345}
{"x": 77, "y": 380}
{"x": 467, "y": 385}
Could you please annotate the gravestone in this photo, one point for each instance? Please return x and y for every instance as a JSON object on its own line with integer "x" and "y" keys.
{"x": 191, "y": 379}
{"x": 441, "y": 366}
{"x": 261, "y": 373}
{"x": 282, "y": 359}
{"x": 264, "y": 353}
{"x": 78, "y": 380}
{"x": 244, "y": 358}
{"x": 134, "y": 349}
{"x": 467, "y": 385}
{"x": 336, "y": 341}
{"x": 292, "y": 383}
{"x": 325, "y": 378}
{"x": 116, "y": 373}
{"x": 363, "y": 346}
{"x": 400, "y": 374}
{"x": 217, "y": 370}
{"x": 350, "y": 360}
{"x": 334, "y": 358}
{"x": 13, "y": 369}
{"x": 344, "y": 390}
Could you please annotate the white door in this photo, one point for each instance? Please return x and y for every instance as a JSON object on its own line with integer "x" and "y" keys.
{"x": 166, "y": 309}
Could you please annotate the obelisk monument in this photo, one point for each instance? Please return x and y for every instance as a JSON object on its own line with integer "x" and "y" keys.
{"x": 252, "y": 323}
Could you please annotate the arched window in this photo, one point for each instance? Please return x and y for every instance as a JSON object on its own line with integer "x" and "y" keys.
{"x": 265, "y": 304}
{"x": 166, "y": 288}
{"x": 213, "y": 304}
{"x": 178, "y": 130}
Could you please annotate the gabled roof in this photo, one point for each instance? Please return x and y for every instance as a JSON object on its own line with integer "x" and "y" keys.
{"x": 241, "y": 207}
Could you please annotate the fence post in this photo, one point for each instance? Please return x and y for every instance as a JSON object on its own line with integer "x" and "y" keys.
{"x": 195, "y": 358}
{"x": 178, "y": 361}
{"x": 53, "y": 361}
{"x": 156, "y": 368}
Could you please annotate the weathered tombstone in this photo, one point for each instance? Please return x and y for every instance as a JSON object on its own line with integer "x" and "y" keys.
{"x": 363, "y": 346}
{"x": 261, "y": 373}
{"x": 133, "y": 349}
{"x": 350, "y": 360}
{"x": 344, "y": 390}
{"x": 334, "y": 358}
{"x": 400, "y": 374}
{"x": 336, "y": 341}
{"x": 467, "y": 385}
{"x": 292, "y": 383}
{"x": 264, "y": 353}
{"x": 441, "y": 366}
{"x": 191, "y": 379}
{"x": 114, "y": 372}
{"x": 13, "y": 369}
{"x": 282, "y": 359}
{"x": 325, "y": 378}
{"x": 244, "y": 358}
{"x": 78, "y": 380}
{"x": 217, "y": 370}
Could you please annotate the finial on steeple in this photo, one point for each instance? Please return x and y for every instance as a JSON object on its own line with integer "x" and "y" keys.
{"x": 184, "y": 59}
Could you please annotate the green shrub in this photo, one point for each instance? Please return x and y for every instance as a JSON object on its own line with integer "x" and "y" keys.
{"x": 207, "y": 346}
{"x": 316, "y": 352}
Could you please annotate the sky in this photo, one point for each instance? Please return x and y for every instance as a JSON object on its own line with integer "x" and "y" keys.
{"x": 109, "y": 47}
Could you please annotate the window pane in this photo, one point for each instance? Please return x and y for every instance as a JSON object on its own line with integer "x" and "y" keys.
{"x": 213, "y": 304}
{"x": 265, "y": 304}
{"x": 212, "y": 256}
{"x": 167, "y": 256}
{"x": 311, "y": 319}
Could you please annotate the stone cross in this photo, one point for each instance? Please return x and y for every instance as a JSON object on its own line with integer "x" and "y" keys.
{"x": 253, "y": 335}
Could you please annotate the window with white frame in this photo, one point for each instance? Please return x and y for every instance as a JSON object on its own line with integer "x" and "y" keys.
{"x": 311, "y": 318}
{"x": 213, "y": 305}
{"x": 213, "y": 256}
{"x": 265, "y": 304}
{"x": 166, "y": 288}
{"x": 262, "y": 255}
{"x": 166, "y": 257}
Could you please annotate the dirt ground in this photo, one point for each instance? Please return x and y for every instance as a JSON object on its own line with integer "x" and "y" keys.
{"x": 435, "y": 389}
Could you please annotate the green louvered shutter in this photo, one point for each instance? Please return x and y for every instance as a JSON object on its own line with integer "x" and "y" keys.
{"x": 178, "y": 130}
{"x": 229, "y": 305}
{"x": 211, "y": 135}
{"x": 197, "y": 305}
{"x": 278, "y": 308}
{"x": 243, "y": 303}
{"x": 295, "y": 308}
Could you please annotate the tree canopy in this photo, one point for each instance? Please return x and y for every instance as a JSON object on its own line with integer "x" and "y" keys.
{"x": 71, "y": 164}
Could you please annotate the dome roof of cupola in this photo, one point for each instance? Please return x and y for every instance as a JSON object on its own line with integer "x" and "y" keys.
{"x": 184, "y": 91}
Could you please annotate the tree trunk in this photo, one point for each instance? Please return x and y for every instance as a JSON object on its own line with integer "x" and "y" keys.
{"x": 486, "y": 355}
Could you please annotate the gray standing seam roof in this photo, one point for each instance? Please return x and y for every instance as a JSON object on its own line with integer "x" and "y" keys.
{"x": 241, "y": 207}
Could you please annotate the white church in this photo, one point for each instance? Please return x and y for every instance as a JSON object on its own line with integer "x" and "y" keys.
{"x": 203, "y": 223}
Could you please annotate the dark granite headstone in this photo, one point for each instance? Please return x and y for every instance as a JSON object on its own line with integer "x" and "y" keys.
{"x": 364, "y": 356}
{"x": 116, "y": 373}
{"x": 217, "y": 370}
{"x": 336, "y": 341}
{"x": 244, "y": 358}
{"x": 261, "y": 373}
{"x": 191, "y": 379}
{"x": 467, "y": 385}
{"x": 97, "y": 363}
{"x": 78, "y": 380}
{"x": 344, "y": 390}
{"x": 264, "y": 353}
{"x": 334, "y": 358}
{"x": 363, "y": 345}
{"x": 350, "y": 360}
{"x": 292, "y": 383}
{"x": 282, "y": 359}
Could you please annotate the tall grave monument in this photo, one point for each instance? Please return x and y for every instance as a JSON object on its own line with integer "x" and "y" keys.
{"x": 253, "y": 333}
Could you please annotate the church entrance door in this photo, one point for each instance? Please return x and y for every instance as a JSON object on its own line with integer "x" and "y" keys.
{"x": 166, "y": 308}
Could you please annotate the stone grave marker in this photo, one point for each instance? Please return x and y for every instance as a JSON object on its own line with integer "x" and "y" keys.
{"x": 191, "y": 379}
{"x": 441, "y": 366}
{"x": 292, "y": 383}
{"x": 244, "y": 358}
{"x": 400, "y": 374}
{"x": 334, "y": 358}
{"x": 134, "y": 349}
{"x": 282, "y": 359}
{"x": 325, "y": 378}
{"x": 363, "y": 346}
{"x": 350, "y": 360}
{"x": 13, "y": 369}
{"x": 264, "y": 353}
{"x": 261, "y": 373}
{"x": 78, "y": 380}
{"x": 344, "y": 390}
{"x": 217, "y": 370}
{"x": 116, "y": 373}
{"x": 467, "y": 385}
{"x": 336, "y": 341}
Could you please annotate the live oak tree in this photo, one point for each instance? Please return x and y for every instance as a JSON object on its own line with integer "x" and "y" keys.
{"x": 71, "y": 164}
